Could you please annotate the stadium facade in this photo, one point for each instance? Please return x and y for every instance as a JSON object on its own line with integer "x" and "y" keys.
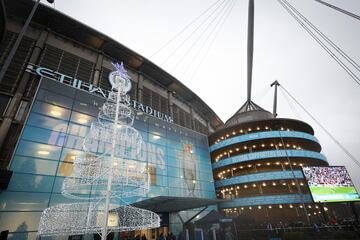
{"x": 52, "y": 92}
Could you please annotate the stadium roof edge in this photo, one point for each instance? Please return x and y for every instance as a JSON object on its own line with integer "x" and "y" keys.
{"x": 70, "y": 28}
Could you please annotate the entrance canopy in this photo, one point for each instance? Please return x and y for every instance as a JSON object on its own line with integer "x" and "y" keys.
{"x": 174, "y": 204}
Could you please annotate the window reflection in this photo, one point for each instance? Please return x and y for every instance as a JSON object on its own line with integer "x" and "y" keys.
{"x": 51, "y": 110}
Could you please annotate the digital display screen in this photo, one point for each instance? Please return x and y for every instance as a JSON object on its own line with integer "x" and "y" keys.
{"x": 330, "y": 184}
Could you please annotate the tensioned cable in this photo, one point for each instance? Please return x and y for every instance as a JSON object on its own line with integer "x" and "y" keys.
{"x": 347, "y": 70}
{"x": 207, "y": 50}
{"x": 219, "y": 16}
{"x": 183, "y": 29}
{"x": 337, "y": 48}
{"x": 192, "y": 33}
{"x": 323, "y": 128}
{"x": 339, "y": 9}
{"x": 296, "y": 113}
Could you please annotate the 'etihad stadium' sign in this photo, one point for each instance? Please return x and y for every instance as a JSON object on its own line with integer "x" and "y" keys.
{"x": 78, "y": 84}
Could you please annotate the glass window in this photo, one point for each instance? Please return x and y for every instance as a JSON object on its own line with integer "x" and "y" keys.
{"x": 47, "y": 122}
{"x": 23, "y": 201}
{"x": 53, "y": 98}
{"x": 65, "y": 169}
{"x": 33, "y": 165}
{"x": 4, "y": 102}
{"x": 81, "y": 118}
{"x": 30, "y": 182}
{"x": 55, "y": 86}
{"x": 38, "y": 150}
{"x": 74, "y": 142}
{"x": 78, "y": 130}
{"x": 51, "y": 110}
{"x": 58, "y": 184}
{"x": 20, "y": 221}
{"x": 43, "y": 136}
{"x": 69, "y": 155}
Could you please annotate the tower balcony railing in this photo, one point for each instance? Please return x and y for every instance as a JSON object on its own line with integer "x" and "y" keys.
{"x": 262, "y": 135}
{"x": 266, "y": 155}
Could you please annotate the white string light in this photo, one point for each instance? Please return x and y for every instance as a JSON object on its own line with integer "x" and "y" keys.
{"x": 108, "y": 171}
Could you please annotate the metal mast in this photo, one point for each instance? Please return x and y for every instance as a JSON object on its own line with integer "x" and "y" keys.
{"x": 276, "y": 83}
{"x": 250, "y": 48}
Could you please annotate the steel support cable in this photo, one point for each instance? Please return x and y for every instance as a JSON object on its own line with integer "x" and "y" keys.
{"x": 191, "y": 34}
{"x": 337, "y": 48}
{"x": 295, "y": 179}
{"x": 339, "y": 9}
{"x": 218, "y": 17}
{"x": 183, "y": 29}
{"x": 207, "y": 50}
{"x": 296, "y": 113}
{"x": 323, "y": 128}
{"x": 343, "y": 66}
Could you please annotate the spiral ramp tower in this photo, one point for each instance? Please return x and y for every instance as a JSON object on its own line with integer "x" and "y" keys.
{"x": 257, "y": 160}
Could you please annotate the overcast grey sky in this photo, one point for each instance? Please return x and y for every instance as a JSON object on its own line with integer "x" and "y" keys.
{"x": 282, "y": 51}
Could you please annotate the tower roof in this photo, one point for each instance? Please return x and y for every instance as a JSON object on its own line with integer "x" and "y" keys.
{"x": 249, "y": 111}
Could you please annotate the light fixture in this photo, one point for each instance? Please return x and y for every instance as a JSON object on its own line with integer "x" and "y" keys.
{"x": 245, "y": 186}
{"x": 254, "y": 146}
{"x": 237, "y": 149}
{"x": 268, "y": 164}
{"x": 274, "y": 183}
{"x": 241, "y": 131}
{"x": 156, "y": 137}
{"x": 259, "y": 207}
{"x": 249, "y": 129}
{"x": 82, "y": 120}
{"x": 291, "y": 206}
{"x": 280, "y": 206}
{"x": 264, "y": 184}
{"x": 233, "y": 133}
{"x": 42, "y": 152}
{"x": 270, "y": 206}
{"x": 262, "y": 145}
{"x": 254, "y": 185}
{"x": 245, "y": 147}
{"x": 258, "y": 128}
{"x": 250, "y": 208}
{"x": 55, "y": 113}
{"x": 277, "y": 163}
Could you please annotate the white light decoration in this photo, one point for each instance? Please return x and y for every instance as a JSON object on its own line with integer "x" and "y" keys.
{"x": 109, "y": 171}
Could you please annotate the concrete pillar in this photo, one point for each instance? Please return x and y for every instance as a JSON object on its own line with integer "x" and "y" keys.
{"x": 15, "y": 101}
{"x": 192, "y": 118}
{"x": 97, "y": 72}
{"x": 140, "y": 88}
{"x": 171, "y": 104}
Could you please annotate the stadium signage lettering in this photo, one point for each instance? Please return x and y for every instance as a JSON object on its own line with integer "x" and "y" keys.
{"x": 78, "y": 84}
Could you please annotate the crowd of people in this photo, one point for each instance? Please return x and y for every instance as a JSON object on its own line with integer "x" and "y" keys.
{"x": 328, "y": 176}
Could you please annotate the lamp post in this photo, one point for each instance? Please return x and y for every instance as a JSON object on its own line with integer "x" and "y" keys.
{"x": 18, "y": 40}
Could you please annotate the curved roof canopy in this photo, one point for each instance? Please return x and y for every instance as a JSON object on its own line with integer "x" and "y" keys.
{"x": 65, "y": 26}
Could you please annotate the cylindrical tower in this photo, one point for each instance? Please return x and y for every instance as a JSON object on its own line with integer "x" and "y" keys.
{"x": 257, "y": 160}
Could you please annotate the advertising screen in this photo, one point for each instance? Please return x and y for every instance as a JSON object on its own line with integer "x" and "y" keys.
{"x": 330, "y": 184}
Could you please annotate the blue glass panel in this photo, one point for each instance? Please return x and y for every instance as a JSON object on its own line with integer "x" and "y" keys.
{"x": 75, "y": 142}
{"x": 173, "y": 172}
{"x": 51, "y": 110}
{"x": 59, "y": 88}
{"x": 53, "y": 98}
{"x": 58, "y": 184}
{"x": 19, "y": 221}
{"x": 69, "y": 155}
{"x": 81, "y": 118}
{"x": 47, "y": 122}
{"x": 78, "y": 130}
{"x": 65, "y": 169}
{"x": 30, "y": 182}
{"x": 156, "y": 139}
{"x": 23, "y": 201}
{"x": 38, "y": 150}
{"x": 59, "y": 198}
{"x": 33, "y": 165}
{"x": 43, "y": 136}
